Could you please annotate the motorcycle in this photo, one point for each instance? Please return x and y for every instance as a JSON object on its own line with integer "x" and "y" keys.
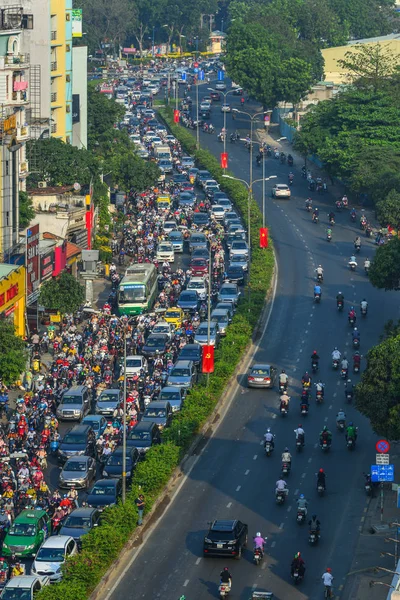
{"x": 352, "y": 266}
{"x": 339, "y": 305}
{"x": 343, "y": 373}
{"x": 368, "y": 485}
{"x": 357, "y": 247}
{"x": 317, "y": 298}
{"x": 364, "y": 312}
{"x": 301, "y": 515}
{"x": 356, "y": 343}
{"x": 335, "y": 364}
{"x": 314, "y": 366}
{"x": 280, "y": 497}
{"x": 356, "y": 367}
{"x": 320, "y": 277}
{"x": 283, "y": 387}
{"x": 329, "y": 237}
{"x": 299, "y": 445}
{"x": 284, "y": 411}
{"x": 224, "y": 589}
{"x": 285, "y": 469}
{"x": 325, "y": 446}
{"x": 367, "y": 265}
{"x": 308, "y": 207}
{"x": 257, "y": 556}
{"x": 297, "y": 577}
{"x": 351, "y": 444}
{"x": 54, "y": 446}
{"x": 313, "y": 538}
{"x": 304, "y": 409}
{"x": 352, "y": 321}
{"x": 315, "y": 219}
{"x": 320, "y": 489}
{"x": 340, "y": 425}
{"x": 319, "y": 396}
{"x": 353, "y": 217}
{"x": 268, "y": 448}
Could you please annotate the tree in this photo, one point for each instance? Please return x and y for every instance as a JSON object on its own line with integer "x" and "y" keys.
{"x": 103, "y": 114}
{"x": 369, "y": 66}
{"x": 366, "y": 18}
{"x": 375, "y": 171}
{"x": 63, "y": 293}
{"x": 377, "y": 395}
{"x": 388, "y": 210}
{"x": 108, "y": 23}
{"x": 384, "y": 271}
{"x": 293, "y": 80}
{"x": 13, "y": 355}
{"x": 26, "y": 212}
{"x": 130, "y": 172}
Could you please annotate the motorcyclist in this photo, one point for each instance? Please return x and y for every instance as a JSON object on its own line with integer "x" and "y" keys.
{"x": 306, "y": 379}
{"x": 341, "y": 416}
{"x": 225, "y": 576}
{"x": 17, "y": 570}
{"x": 315, "y": 214}
{"x": 302, "y": 504}
{"x": 298, "y": 564}
{"x": 356, "y": 359}
{"x": 339, "y": 298}
{"x": 281, "y": 486}
{"x": 259, "y": 543}
{"x": 314, "y": 524}
{"x": 336, "y": 355}
{"x": 367, "y": 264}
{"x": 300, "y": 434}
{"x": 309, "y": 203}
{"x": 349, "y": 389}
{"x": 352, "y": 261}
{"x": 320, "y": 272}
{"x": 364, "y": 305}
{"x": 314, "y": 357}
{"x": 317, "y": 291}
{"x": 327, "y": 579}
{"x": 329, "y": 232}
{"x": 357, "y": 243}
{"x": 355, "y": 334}
{"x": 284, "y": 399}
{"x": 269, "y": 438}
{"x": 344, "y": 364}
{"x": 325, "y": 436}
{"x": 331, "y": 217}
{"x": 352, "y": 315}
{"x": 286, "y": 457}
{"x": 320, "y": 387}
{"x": 351, "y": 432}
{"x": 283, "y": 378}
{"x": 321, "y": 478}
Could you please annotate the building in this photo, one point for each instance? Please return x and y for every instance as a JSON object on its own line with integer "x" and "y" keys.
{"x": 335, "y": 73}
{"x": 217, "y": 42}
{"x": 61, "y": 69}
{"x": 14, "y": 131}
{"x": 12, "y": 296}
{"x": 79, "y": 96}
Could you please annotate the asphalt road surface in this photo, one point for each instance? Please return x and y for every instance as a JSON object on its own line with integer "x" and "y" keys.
{"x": 233, "y": 478}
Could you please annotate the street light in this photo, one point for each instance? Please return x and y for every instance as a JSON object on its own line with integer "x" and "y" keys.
{"x": 264, "y": 179}
{"x": 124, "y": 428}
{"x": 224, "y": 95}
{"x": 153, "y": 41}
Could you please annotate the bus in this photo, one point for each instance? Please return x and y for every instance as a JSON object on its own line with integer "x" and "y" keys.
{"x": 138, "y": 289}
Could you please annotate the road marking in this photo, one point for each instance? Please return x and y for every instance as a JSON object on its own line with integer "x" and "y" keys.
{"x": 247, "y": 472}
{"x": 315, "y": 445}
{"x": 282, "y": 525}
{"x": 326, "y": 418}
{"x": 229, "y": 505}
{"x": 264, "y": 565}
{"x": 274, "y": 416}
{"x": 289, "y": 509}
{"x": 310, "y": 459}
{"x": 335, "y": 394}
{"x": 198, "y": 560}
{"x": 186, "y": 582}
{"x": 296, "y": 492}
{"x": 338, "y": 383}
{"x": 330, "y": 407}
{"x": 273, "y": 544}
{"x": 253, "y": 587}
{"x": 255, "y": 457}
{"x": 303, "y": 475}
{"x": 309, "y": 323}
{"x": 261, "y": 443}
{"x": 301, "y": 349}
{"x": 238, "y": 488}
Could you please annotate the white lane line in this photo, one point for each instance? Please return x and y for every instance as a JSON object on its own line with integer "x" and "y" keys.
{"x": 298, "y": 360}
{"x": 303, "y": 475}
{"x": 315, "y": 445}
{"x": 273, "y": 544}
{"x": 306, "y": 331}
{"x": 326, "y": 418}
{"x": 247, "y": 472}
{"x": 310, "y": 459}
{"x": 335, "y": 394}
{"x": 198, "y": 560}
{"x": 255, "y": 457}
{"x": 238, "y": 488}
{"x": 309, "y": 323}
{"x": 338, "y": 383}
{"x": 264, "y": 565}
{"x": 253, "y": 587}
{"x": 330, "y": 407}
{"x": 296, "y": 492}
{"x": 261, "y": 442}
{"x": 229, "y": 505}
{"x": 289, "y": 508}
{"x": 186, "y": 582}
{"x": 281, "y": 526}
{"x": 274, "y": 416}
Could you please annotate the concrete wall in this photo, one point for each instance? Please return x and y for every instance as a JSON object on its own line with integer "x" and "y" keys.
{"x": 79, "y": 86}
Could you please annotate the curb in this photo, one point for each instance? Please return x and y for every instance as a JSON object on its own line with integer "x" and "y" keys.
{"x": 162, "y": 502}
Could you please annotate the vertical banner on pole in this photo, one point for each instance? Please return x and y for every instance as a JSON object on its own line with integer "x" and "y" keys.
{"x": 208, "y": 359}
{"x": 263, "y": 237}
{"x": 224, "y": 160}
{"x": 176, "y": 116}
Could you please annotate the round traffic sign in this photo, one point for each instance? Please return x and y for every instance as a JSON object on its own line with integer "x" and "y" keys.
{"x": 196, "y": 64}
{"x": 382, "y": 446}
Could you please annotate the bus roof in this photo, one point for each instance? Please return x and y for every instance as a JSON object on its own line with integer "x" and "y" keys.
{"x": 138, "y": 273}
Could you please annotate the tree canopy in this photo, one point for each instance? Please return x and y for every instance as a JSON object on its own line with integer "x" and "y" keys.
{"x": 63, "y": 293}
{"x": 13, "y": 355}
{"x": 384, "y": 271}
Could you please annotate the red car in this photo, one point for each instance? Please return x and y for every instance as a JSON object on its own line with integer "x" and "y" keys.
{"x": 199, "y": 266}
{"x": 215, "y": 96}
{"x": 187, "y": 186}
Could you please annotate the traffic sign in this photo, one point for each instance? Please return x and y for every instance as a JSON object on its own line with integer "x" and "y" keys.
{"x": 382, "y": 459}
{"x": 201, "y": 75}
{"x": 221, "y": 75}
{"x": 382, "y": 473}
{"x": 382, "y": 446}
{"x": 196, "y": 64}
{"x": 183, "y": 76}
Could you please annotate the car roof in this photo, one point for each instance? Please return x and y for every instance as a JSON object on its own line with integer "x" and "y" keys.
{"x": 80, "y": 427}
{"x": 223, "y": 525}
{"x": 78, "y": 458}
{"x": 182, "y": 363}
{"x": 83, "y": 511}
{"x": 260, "y": 366}
{"x": 168, "y": 388}
{"x": 116, "y": 391}
{"x": 143, "y": 426}
{"x": 30, "y": 515}
{"x": 57, "y": 541}
{"x": 282, "y": 185}
{"x": 191, "y": 347}
{"x": 22, "y": 581}
{"x": 105, "y": 482}
{"x": 158, "y": 404}
{"x": 92, "y": 418}
{"x": 228, "y": 284}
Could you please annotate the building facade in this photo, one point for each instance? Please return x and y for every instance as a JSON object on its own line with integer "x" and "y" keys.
{"x": 61, "y": 69}
{"x": 14, "y": 130}
{"x": 79, "y": 96}
{"x": 12, "y": 296}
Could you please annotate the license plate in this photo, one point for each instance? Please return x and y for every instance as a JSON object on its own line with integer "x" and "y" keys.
{"x": 258, "y": 379}
{"x": 220, "y": 545}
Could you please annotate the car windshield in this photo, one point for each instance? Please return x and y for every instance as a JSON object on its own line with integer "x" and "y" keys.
{"x": 220, "y": 318}
{"x": 173, "y": 314}
{"x": 16, "y": 593}
{"x": 175, "y": 235}
{"x": 239, "y": 245}
{"x": 74, "y": 438}
{"x": 153, "y": 342}
{"x": 203, "y": 329}
{"x": 71, "y": 399}
{"x": 161, "y": 328}
{"x": 133, "y": 293}
{"x": 22, "y": 529}
{"x": 134, "y": 362}
{"x": 240, "y": 258}
{"x": 197, "y": 239}
{"x": 140, "y": 435}
{"x": 170, "y": 396}
{"x": 164, "y": 248}
{"x": 159, "y": 413}
{"x": 225, "y": 291}
{"x": 180, "y": 372}
{"x": 199, "y": 262}
{"x": 115, "y": 460}
{"x": 108, "y": 398}
{"x": 75, "y": 466}
{"x": 50, "y": 555}
{"x": 192, "y": 297}
{"x": 189, "y": 352}
{"x": 260, "y": 371}
{"x": 103, "y": 490}
{"x": 197, "y": 285}
{"x": 223, "y": 536}
{"x": 77, "y": 522}
{"x": 95, "y": 425}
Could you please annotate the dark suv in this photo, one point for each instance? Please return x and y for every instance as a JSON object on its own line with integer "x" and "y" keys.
{"x": 80, "y": 440}
{"x": 225, "y": 538}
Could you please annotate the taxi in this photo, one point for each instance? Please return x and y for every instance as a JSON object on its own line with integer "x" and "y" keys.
{"x": 27, "y": 533}
{"x": 175, "y": 316}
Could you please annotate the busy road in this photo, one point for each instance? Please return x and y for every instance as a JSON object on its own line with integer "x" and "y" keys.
{"x": 232, "y": 478}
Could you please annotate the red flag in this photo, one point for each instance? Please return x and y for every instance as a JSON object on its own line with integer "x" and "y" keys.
{"x": 224, "y": 160}
{"x": 263, "y": 237}
{"x": 208, "y": 359}
{"x": 176, "y": 116}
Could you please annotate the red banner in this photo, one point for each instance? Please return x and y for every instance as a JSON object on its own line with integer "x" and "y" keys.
{"x": 208, "y": 359}
{"x": 224, "y": 160}
{"x": 263, "y": 237}
{"x": 176, "y": 116}
{"x": 32, "y": 264}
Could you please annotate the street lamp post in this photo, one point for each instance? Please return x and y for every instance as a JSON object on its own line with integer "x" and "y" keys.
{"x": 153, "y": 41}
{"x": 197, "y": 115}
{"x": 209, "y": 302}
{"x": 124, "y": 429}
{"x": 224, "y": 95}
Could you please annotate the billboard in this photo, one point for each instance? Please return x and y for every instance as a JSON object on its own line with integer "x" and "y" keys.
{"x": 76, "y": 22}
{"x": 32, "y": 264}
{"x": 76, "y": 116}
{"x": 47, "y": 261}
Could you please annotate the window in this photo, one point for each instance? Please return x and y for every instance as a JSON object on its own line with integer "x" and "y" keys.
{"x": 68, "y": 48}
{"x": 67, "y": 17}
{"x": 27, "y": 22}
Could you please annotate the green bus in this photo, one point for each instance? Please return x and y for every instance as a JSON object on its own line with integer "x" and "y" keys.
{"x": 138, "y": 289}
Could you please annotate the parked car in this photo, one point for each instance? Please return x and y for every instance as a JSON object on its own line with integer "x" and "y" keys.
{"x": 79, "y": 522}
{"x": 105, "y": 492}
{"x": 183, "y": 374}
{"x": 52, "y": 555}
{"x": 78, "y": 471}
{"x": 158, "y": 412}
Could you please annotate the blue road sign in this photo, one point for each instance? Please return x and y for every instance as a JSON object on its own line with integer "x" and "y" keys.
{"x": 201, "y": 75}
{"x": 382, "y": 473}
{"x": 221, "y": 75}
{"x": 196, "y": 70}
{"x": 183, "y": 76}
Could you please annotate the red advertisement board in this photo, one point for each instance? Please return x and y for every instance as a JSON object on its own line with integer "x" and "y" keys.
{"x": 32, "y": 264}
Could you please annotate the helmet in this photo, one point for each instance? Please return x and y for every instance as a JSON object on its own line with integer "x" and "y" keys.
{"x": 283, "y": 370}
{"x": 297, "y": 555}
{"x": 319, "y": 267}
{"x": 341, "y": 410}
{"x": 349, "y": 381}
{"x": 301, "y": 496}
{"x": 286, "y": 449}
{"x": 351, "y": 424}
{"x": 314, "y": 352}
{"x": 321, "y": 470}
{"x": 328, "y": 570}
{"x": 339, "y": 292}
{"x": 314, "y": 517}
{"x": 355, "y": 329}
{"x": 226, "y": 569}
{"x": 258, "y": 534}
{"x": 335, "y": 348}
{"x": 299, "y": 425}
{"x": 351, "y": 307}
{"x": 325, "y": 428}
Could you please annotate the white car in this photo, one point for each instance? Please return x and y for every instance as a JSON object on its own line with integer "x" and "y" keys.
{"x": 170, "y": 139}
{"x": 218, "y": 212}
{"x": 165, "y": 251}
{"x": 134, "y": 364}
{"x": 164, "y": 327}
{"x": 225, "y": 108}
{"x": 169, "y": 226}
{"x": 51, "y": 555}
{"x": 24, "y": 586}
{"x": 156, "y": 141}
{"x": 135, "y": 137}
{"x": 200, "y": 285}
{"x": 221, "y": 86}
{"x": 281, "y": 190}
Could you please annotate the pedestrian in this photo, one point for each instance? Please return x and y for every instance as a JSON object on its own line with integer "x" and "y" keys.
{"x": 140, "y": 507}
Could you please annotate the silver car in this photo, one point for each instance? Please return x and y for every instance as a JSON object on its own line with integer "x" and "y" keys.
{"x": 107, "y": 402}
{"x": 229, "y": 292}
{"x": 78, "y": 471}
{"x": 222, "y": 319}
{"x": 183, "y": 374}
{"x": 239, "y": 247}
{"x": 201, "y": 336}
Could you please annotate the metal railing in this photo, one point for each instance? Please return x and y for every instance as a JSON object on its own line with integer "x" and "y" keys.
{"x": 53, "y": 35}
{"x": 53, "y": 96}
{"x": 53, "y": 66}
{"x": 16, "y": 60}
{"x": 54, "y": 128}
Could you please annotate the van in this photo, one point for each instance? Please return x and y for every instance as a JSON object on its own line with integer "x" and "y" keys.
{"x": 174, "y": 395}
{"x": 164, "y": 202}
{"x": 27, "y": 533}
{"x": 79, "y": 440}
{"x": 158, "y": 412}
{"x": 143, "y": 436}
{"x": 75, "y": 403}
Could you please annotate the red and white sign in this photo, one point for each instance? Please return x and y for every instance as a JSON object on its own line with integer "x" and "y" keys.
{"x": 32, "y": 264}
{"x": 382, "y": 446}
{"x": 224, "y": 160}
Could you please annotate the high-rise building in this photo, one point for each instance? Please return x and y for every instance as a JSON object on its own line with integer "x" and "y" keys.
{"x": 14, "y": 130}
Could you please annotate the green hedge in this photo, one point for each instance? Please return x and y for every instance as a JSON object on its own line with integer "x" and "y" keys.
{"x": 102, "y": 546}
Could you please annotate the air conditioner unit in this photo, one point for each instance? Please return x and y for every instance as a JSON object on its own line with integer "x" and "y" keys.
{"x": 67, "y": 17}
{"x": 68, "y": 139}
{"x": 68, "y": 48}
{"x": 68, "y": 108}
{"x": 42, "y": 184}
{"x": 68, "y": 77}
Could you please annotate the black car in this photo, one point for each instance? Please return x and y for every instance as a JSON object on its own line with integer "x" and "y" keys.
{"x": 225, "y": 538}
{"x": 180, "y": 178}
{"x": 201, "y": 219}
{"x": 191, "y": 352}
{"x": 235, "y": 274}
{"x": 80, "y": 522}
{"x": 113, "y": 465}
{"x": 143, "y": 436}
{"x": 156, "y": 343}
{"x": 80, "y": 440}
{"x": 105, "y": 492}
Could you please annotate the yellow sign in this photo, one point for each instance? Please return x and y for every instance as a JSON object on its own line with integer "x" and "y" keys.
{"x": 10, "y": 123}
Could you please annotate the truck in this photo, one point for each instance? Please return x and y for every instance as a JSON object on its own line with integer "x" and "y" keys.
{"x": 162, "y": 152}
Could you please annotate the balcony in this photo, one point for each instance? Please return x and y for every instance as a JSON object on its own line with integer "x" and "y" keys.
{"x": 23, "y": 170}
{"x": 53, "y": 97}
{"x": 54, "y": 128}
{"x": 53, "y": 36}
{"x": 17, "y": 61}
{"x": 19, "y": 98}
{"x": 53, "y": 66}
